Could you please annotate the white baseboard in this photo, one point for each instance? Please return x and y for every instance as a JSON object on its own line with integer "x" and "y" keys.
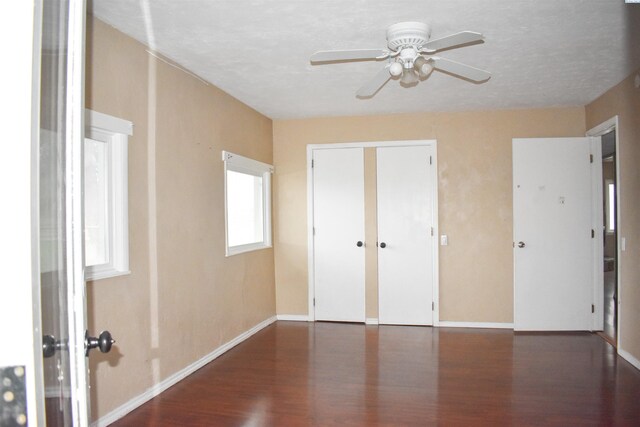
{"x": 629, "y": 358}
{"x": 485, "y": 325}
{"x": 54, "y": 392}
{"x": 371, "y": 321}
{"x": 293, "y": 317}
{"x": 155, "y": 390}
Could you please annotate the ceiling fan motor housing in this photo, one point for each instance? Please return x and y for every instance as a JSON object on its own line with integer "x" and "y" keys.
{"x": 406, "y": 34}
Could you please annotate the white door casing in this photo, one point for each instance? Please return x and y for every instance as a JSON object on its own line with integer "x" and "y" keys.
{"x": 338, "y": 221}
{"x": 552, "y": 221}
{"x": 406, "y": 205}
{"x": 596, "y": 134}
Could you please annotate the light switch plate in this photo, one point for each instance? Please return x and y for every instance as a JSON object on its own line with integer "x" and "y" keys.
{"x": 444, "y": 240}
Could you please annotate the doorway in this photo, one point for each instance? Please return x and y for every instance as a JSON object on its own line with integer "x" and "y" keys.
{"x": 608, "y": 269}
{"x": 609, "y": 236}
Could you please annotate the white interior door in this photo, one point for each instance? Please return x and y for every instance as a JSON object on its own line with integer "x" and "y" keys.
{"x": 552, "y": 234}
{"x": 60, "y": 219}
{"x": 338, "y": 221}
{"x": 405, "y": 220}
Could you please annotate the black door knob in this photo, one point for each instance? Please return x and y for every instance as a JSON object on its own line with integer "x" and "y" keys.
{"x": 383, "y": 245}
{"x": 359, "y": 244}
{"x": 50, "y": 345}
{"x": 103, "y": 342}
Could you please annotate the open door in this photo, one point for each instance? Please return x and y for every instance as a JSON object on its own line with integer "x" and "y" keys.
{"x": 553, "y": 234}
{"x": 60, "y": 213}
{"x": 65, "y": 342}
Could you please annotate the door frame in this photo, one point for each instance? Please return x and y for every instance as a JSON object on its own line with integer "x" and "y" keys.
{"x": 598, "y": 285}
{"x": 310, "y": 220}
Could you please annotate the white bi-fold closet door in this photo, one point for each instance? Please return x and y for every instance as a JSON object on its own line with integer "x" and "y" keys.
{"x": 406, "y": 203}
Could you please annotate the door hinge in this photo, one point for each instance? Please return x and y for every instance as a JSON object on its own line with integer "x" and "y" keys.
{"x": 593, "y": 233}
{"x": 314, "y": 231}
{"x": 590, "y": 158}
{"x": 432, "y": 231}
{"x": 433, "y": 306}
{"x": 430, "y": 160}
{"x": 314, "y": 302}
{"x": 312, "y": 163}
{"x": 593, "y": 308}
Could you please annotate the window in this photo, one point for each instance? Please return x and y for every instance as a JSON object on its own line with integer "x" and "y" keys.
{"x": 610, "y": 206}
{"x": 106, "y": 223}
{"x": 247, "y": 204}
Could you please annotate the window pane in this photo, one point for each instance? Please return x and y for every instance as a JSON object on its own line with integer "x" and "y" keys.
{"x": 612, "y": 207}
{"x": 244, "y": 208}
{"x": 96, "y": 202}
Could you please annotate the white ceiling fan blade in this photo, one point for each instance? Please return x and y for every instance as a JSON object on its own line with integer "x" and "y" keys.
{"x": 372, "y": 86}
{"x": 348, "y": 55}
{"x": 459, "y": 69}
{"x": 452, "y": 40}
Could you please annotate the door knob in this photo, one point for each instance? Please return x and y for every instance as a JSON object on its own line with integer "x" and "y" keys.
{"x": 50, "y": 345}
{"x": 103, "y": 342}
{"x": 359, "y": 244}
{"x": 383, "y": 245}
{"x": 521, "y": 244}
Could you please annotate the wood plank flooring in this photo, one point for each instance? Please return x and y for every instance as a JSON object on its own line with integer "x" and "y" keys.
{"x": 329, "y": 374}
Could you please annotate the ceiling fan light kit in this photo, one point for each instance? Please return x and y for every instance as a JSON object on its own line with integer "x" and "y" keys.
{"x": 410, "y": 56}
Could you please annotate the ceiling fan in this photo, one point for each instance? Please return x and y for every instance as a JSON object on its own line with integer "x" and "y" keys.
{"x": 410, "y": 56}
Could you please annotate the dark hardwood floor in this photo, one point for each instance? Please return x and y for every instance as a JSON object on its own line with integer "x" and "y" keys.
{"x": 328, "y": 374}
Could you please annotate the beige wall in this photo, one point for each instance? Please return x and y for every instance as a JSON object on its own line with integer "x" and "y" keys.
{"x": 623, "y": 100}
{"x": 183, "y": 298}
{"x": 370, "y": 233}
{"x": 475, "y": 198}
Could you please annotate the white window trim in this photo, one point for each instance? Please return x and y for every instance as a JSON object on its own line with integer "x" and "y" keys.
{"x": 238, "y": 163}
{"x": 119, "y": 131}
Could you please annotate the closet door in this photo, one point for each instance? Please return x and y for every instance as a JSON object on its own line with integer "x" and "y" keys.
{"x": 405, "y": 251}
{"x": 338, "y": 221}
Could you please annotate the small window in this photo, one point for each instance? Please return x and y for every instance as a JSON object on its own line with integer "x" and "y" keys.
{"x": 106, "y": 217}
{"x": 247, "y": 203}
{"x": 611, "y": 206}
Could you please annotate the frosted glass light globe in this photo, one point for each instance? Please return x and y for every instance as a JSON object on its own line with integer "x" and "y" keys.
{"x": 395, "y": 69}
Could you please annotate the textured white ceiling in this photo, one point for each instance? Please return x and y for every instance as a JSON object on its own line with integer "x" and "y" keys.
{"x": 541, "y": 52}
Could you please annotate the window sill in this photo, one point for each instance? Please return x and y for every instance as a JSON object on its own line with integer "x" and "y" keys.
{"x": 106, "y": 274}
{"x": 237, "y": 250}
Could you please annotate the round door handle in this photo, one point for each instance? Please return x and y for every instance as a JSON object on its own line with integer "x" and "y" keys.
{"x": 50, "y": 345}
{"x": 359, "y": 244}
{"x": 521, "y": 244}
{"x": 383, "y": 245}
{"x": 103, "y": 342}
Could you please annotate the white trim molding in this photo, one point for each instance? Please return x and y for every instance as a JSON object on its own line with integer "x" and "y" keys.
{"x": 629, "y": 358}
{"x": 371, "y": 321}
{"x": 482, "y": 325}
{"x": 155, "y": 390}
{"x": 293, "y": 317}
{"x": 105, "y": 122}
